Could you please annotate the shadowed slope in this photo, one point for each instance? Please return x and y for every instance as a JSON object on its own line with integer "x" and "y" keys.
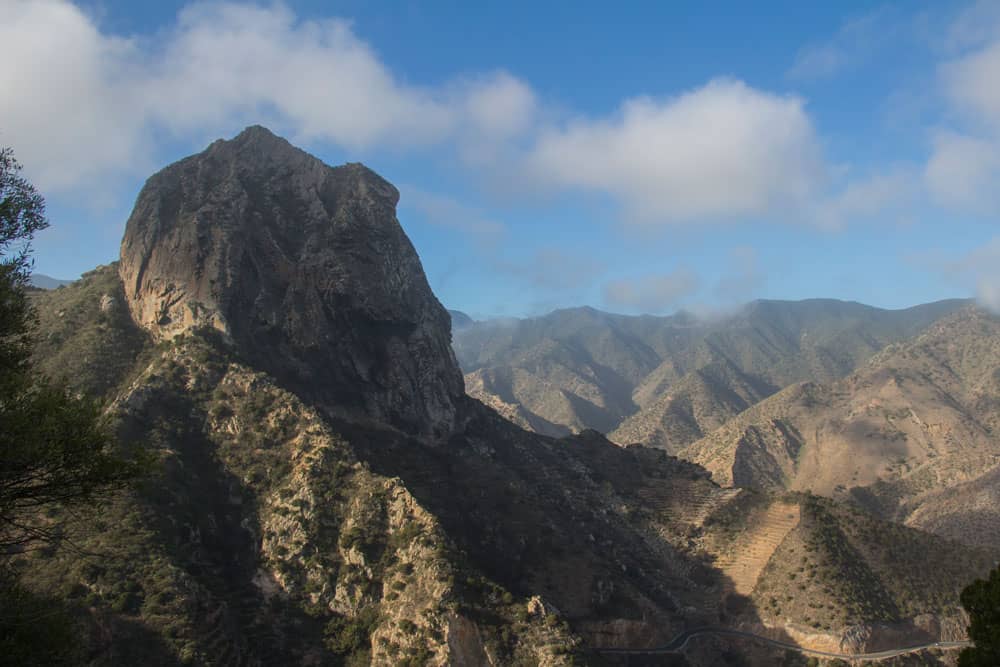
{"x": 910, "y": 432}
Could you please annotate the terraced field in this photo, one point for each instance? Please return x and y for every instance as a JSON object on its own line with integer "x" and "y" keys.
{"x": 748, "y": 555}
{"x": 686, "y": 503}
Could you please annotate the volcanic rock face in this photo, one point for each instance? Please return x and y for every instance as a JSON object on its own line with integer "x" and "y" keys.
{"x": 305, "y": 268}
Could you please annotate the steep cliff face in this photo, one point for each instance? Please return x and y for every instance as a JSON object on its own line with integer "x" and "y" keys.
{"x": 305, "y": 268}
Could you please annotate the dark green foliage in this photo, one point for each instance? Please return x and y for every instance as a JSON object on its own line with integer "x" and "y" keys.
{"x": 54, "y": 449}
{"x": 350, "y": 635}
{"x": 982, "y": 600}
{"x": 56, "y": 452}
{"x": 848, "y": 572}
{"x": 86, "y": 336}
{"x": 22, "y": 213}
{"x": 35, "y": 630}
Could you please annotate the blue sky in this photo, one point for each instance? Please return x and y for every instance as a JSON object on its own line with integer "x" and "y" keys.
{"x": 639, "y": 159}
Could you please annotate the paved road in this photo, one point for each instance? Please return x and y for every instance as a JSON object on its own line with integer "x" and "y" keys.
{"x": 678, "y": 643}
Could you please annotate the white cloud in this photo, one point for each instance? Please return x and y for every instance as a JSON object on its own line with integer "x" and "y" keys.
{"x": 855, "y": 41}
{"x": 977, "y": 271}
{"x": 964, "y": 167}
{"x": 69, "y": 108}
{"x": 988, "y": 293}
{"x": 552, "y": 268}
{"x": 971, "y": 84}
{"x": 651, "y": 294}
{"x": 92, "y": 106}
{"x": 500, "y": 106}
{"x": 877, "y": 196}
{"x": 87, "y": 101}
{"x": 964, "y": 172}
{"x": 981, "y": 270}
{"x": 722, "y": 150}
{"x": 978, "y": 23}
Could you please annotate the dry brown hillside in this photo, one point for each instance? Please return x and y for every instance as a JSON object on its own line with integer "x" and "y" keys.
{"x": 700, "y": 402}
{"x": 667, "y": 381}
{"x": 909, "y": 434}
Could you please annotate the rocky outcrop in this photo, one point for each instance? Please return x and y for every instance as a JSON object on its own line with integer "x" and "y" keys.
{"x": 304, "y": 268}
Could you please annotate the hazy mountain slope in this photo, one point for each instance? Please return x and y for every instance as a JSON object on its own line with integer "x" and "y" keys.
{"x": 42, "y": 281}
{"x": 919, "y": 418}
{"x": 580, "y": 356}
{"x": 694, "y": 405}
{"x": 404, "y": 523}
{"x": 515, "y": 393}
{"x": 460, "y": 320}
{"x": 620, "y": 367}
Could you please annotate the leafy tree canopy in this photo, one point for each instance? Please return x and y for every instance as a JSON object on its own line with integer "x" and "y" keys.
{"x": 55, "y": 449}
{"x": 982, "y": 600}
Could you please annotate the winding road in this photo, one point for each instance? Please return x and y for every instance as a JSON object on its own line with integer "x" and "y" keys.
{"x": 678, "y": 643}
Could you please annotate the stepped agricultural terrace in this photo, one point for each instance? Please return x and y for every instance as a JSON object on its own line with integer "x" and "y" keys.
{"x": 750, "y": 553}
{"x": 688, "y": 503}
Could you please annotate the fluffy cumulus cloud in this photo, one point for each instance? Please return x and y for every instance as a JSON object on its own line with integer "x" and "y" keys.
{"x": 722, "y": 150}
{"x": 70, "y": 107}
{"x": 91, "y": 105}
{"x": 963, "y": 171}
{"x": 653, "y": 293}
{"x": 87, "y": 101}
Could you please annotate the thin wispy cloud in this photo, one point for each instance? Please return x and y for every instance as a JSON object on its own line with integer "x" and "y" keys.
{"x": 977, "y": 270}
{"x": 652, "y": 293}
{"x": 975, "y": 24}
{"x": 884, "y": 197}
{"x": 963, "y": 169}
{"x": 854, "y": 43}
{"x": 551, "y": 269}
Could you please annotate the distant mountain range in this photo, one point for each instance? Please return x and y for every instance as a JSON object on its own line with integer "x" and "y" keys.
{"x": 913, "y": 434}
{"x": 668, "y": 381}
{"x": 42, "y": 281}
{"x": 460, "y": 320}
{"x": 895, "y": 411}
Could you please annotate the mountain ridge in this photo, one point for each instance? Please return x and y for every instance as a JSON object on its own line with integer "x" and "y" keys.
{"x": 916, "y": 423}
{"x": 279, "y": 527}
{"x": 616, "y": 366}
